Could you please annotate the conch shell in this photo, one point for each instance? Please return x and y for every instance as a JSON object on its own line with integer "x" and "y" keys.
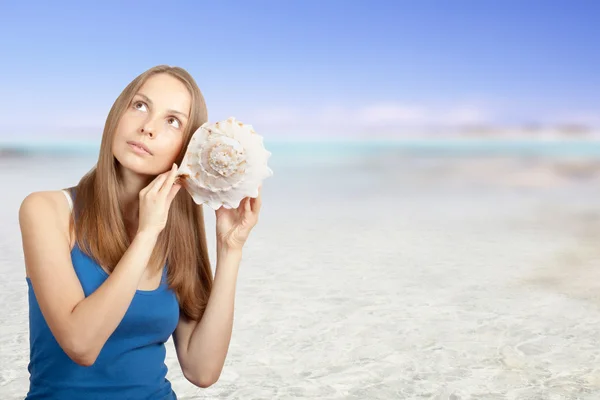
{"x": 224, "y": 162}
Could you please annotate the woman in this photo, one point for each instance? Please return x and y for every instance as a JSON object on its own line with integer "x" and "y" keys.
{"x": 119, "y": 263}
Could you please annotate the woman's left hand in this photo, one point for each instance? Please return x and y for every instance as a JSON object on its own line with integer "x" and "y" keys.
{"x": 234, "y": 225}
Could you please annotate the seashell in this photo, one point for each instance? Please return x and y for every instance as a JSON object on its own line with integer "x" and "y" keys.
{"x": 224, "y": 162}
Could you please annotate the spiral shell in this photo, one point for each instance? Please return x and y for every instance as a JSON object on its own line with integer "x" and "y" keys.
{"x": 224, "y": 162}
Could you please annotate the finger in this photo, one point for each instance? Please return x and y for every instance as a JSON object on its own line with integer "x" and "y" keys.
{"x": 149, "y": 185}
{"x": 241, "y": 208}
{"x": 247, "y": 209}
{"x": 169, "y": 181}
{"x": 172, "y": 193}
{"x": 157, "y": 183}
{"x": 257, "y": 203}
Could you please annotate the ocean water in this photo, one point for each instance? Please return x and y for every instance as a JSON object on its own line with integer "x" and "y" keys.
{"x": 381, "y": 272}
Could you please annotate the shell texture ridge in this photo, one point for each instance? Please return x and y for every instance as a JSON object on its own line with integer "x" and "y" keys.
{"x": 224, "y": 162}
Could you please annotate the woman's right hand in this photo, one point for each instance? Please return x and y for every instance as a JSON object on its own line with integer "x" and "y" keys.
{"x": 155, "y": 202}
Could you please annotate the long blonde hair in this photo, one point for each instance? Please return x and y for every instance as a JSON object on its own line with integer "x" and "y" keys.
{"x": 99, "y": 225}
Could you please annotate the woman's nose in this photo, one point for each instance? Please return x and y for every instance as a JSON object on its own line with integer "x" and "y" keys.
{"x": 149, "y": 127}
{"x": 147, "y": 131}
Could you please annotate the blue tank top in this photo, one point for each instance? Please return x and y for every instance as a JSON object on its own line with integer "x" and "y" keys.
{"x": 131, "y": 365}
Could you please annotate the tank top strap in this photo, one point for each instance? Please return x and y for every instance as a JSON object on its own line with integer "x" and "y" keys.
{"x": 67, "y": 194}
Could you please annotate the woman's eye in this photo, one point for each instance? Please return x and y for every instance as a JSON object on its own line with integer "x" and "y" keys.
{"x": 138, "y": 105}
{"x": 176, "y": 121}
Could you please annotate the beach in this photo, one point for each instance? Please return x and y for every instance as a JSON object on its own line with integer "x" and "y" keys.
{"x": 385, "y": 275}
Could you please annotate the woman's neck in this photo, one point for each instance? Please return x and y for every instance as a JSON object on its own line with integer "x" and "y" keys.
{"x": 132, "y": 185}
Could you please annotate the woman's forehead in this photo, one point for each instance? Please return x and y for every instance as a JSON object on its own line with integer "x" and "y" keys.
{"x": 165, "y": 91}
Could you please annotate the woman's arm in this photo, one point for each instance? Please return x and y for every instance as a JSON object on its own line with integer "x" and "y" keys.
{"x": 202, "y": 346}
{"x": 80, "y": 325}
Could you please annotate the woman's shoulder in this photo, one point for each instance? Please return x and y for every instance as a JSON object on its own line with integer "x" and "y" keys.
{"x": 55, "y": 199}
{"x": 45, "y": 205}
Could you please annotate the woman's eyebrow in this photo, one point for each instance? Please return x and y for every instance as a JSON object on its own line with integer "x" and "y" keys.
{"x": 147, "y": 99}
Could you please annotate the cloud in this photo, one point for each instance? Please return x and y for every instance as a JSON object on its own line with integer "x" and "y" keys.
{"x": 375, "y": 119}
{"x": 465, "y": 115}
{"x": 391, "y": 114}
{"x": 385, "y": 118}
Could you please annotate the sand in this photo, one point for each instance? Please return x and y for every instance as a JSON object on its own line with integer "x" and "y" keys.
{"x": 384, "y": 277}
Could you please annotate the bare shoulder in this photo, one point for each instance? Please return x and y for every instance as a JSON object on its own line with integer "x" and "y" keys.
{"x": 46, "y": 205}
{"x": 45, "y": 216}
{"x": 46, "y": 201}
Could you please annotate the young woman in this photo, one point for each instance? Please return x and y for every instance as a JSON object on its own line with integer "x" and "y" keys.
{"x": 119, "y": 263}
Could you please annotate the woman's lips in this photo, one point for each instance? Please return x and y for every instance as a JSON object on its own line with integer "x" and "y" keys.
{"x": 139, "y": 148}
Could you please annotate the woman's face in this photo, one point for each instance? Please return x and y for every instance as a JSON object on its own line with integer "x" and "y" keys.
{"x": 149, "y": 135}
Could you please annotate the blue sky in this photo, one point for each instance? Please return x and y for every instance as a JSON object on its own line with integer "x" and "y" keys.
{"x": 294, "y": 67}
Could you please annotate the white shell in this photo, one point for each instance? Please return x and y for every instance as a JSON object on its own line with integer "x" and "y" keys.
{"x": 224, "y": 162}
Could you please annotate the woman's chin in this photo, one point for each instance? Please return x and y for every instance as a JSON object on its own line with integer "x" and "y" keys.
{"x": 137, "y": 166}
